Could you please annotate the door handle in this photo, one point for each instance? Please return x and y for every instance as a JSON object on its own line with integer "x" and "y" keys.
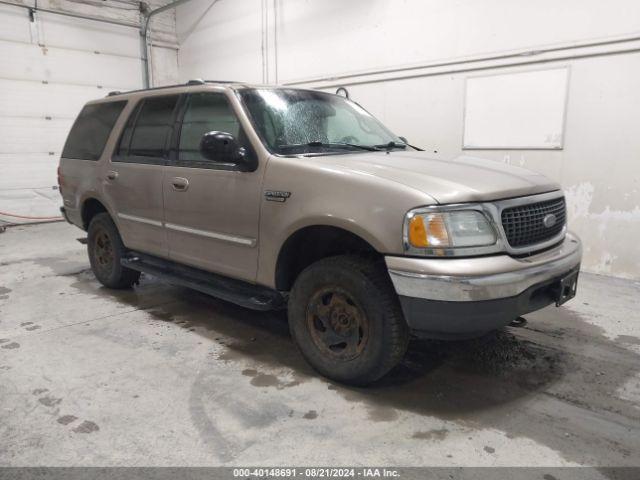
{"x": 180, "y": 183}
{"x": 112, "y": 174}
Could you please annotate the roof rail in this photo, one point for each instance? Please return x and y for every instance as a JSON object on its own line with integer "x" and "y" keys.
{"x": 196, "y": 81}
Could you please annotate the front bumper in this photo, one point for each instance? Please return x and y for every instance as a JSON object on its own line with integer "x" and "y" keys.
{"x": 453, "y": 297}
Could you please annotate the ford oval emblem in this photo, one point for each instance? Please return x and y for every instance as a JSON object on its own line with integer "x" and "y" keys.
{"x": 549, "y": 220}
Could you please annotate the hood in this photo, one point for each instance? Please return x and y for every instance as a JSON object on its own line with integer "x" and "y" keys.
{"x": 462, "y": 179}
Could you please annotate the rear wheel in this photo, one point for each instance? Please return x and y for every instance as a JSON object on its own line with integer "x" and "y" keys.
{"x": 345, "y": 318}
{"x": 105, "y": 250}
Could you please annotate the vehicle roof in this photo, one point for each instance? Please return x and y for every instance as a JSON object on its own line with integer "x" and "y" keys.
{"x": 183, "y": 88}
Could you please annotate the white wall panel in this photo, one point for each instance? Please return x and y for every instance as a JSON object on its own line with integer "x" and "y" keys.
{"x": 50, "y": 69}
{"x": 230, "y": 43}
{"x": 23, "y": 171}
{"x": 35, "y": 99}
{"x": 33, "y": 135}
{"x": 59, "y": 31}
{"x": 14, "y": 26}
{"x": 318, "y": 38}
{"x": 164, "y": 66}
{"x": 77, "y": 67}
{"x": 523, "y": 110}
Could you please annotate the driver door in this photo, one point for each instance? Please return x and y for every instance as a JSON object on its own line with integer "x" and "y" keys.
{"x": 211, "y": 208}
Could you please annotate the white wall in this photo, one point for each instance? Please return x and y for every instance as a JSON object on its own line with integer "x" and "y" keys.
{"x": 407, "y": 61}
{"x": 50, "y": 65}
{"x": 62, "y": 33}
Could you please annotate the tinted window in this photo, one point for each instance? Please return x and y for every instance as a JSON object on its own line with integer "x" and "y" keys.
{"x": 152, "y": 129}
{"x": 91, "y": 130}
{"x": 125, "y": 138}
{"x": 205, "y": 112}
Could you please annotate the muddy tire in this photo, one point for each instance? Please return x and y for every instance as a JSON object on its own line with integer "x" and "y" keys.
{"x": 346, "y": 320}
{"x": 105, "y": 251}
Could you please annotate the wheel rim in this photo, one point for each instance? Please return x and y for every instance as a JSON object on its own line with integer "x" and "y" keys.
{"x": 103, "y": 251}
{"x": 338, "y": 326}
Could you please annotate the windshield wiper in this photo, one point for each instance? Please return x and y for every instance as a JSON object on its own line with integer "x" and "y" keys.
{"x": 391, "y": 145}
{"x": 331, "y": 145}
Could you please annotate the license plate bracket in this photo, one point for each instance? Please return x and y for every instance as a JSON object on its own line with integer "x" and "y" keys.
{"x": 567, "y": 287}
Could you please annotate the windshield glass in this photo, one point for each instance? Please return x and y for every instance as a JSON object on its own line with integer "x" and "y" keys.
{"x": 291, "y": 121}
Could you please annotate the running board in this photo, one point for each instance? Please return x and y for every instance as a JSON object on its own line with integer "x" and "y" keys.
{"x": 241, "y": 293}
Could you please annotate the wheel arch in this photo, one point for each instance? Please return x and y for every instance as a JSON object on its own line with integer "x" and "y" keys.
{"x": 91, "y": 206}
{"x": 312, "y": 243}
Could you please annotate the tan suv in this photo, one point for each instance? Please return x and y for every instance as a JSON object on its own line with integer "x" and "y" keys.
{"x": 275, "y": 197}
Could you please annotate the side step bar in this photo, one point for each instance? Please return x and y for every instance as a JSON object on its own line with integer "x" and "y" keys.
{"x": 241, "y": 293}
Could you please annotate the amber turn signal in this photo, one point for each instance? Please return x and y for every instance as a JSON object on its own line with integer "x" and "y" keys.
{"x": 417, "y": 232}
{"x": 428, "y": 230}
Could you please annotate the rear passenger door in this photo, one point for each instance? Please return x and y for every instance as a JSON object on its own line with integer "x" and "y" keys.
{"x": 134, "y": 181}
{"x": 211, "y": 208}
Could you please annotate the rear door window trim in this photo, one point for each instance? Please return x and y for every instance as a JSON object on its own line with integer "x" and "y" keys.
{"x": 135, "y": 114}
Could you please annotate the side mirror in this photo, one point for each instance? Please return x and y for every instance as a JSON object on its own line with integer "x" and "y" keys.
{"x": 224, "y": 148}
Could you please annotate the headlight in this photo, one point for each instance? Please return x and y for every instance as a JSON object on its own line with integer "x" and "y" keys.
{"x": 446, "y": 230}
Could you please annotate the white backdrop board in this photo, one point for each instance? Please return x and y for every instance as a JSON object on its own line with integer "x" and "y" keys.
{"x": 523, "y": 110}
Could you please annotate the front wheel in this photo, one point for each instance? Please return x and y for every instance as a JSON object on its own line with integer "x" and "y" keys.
{"x": 345, "y": 318}
{"x": 106, "y": 249}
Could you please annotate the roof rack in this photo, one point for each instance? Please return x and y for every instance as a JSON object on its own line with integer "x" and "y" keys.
{"x": 193, "y": 82}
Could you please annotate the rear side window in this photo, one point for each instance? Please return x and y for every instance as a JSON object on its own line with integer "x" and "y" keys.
{"x": 90, "y": 132}
{"x": 148, "y": 129}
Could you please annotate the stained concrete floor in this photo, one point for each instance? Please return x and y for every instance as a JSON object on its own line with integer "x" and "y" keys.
{"x": 161, "y": 375}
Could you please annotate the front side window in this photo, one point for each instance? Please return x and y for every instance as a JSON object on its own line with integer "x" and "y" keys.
{"x": 208, "y": 112}
{"x": 291, "y": 121}
{"x": 205, "y": 112}
{"x": 149, "y": 128}
{"x": 91, "y": 130}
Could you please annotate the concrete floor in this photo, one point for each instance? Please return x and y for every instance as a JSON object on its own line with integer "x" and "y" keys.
{"x": 161, "y": 375}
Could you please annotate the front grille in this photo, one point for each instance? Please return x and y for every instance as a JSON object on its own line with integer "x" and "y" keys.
{"x": 524, "y": 225}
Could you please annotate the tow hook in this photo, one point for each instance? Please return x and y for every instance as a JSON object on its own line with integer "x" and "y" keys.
{"x": 518, "y": 322}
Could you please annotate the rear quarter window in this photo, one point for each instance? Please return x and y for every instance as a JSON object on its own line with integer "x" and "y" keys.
{"x": 90, "y": 131}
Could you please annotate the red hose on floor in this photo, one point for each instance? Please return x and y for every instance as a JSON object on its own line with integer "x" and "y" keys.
{"x": 6, "y": 214}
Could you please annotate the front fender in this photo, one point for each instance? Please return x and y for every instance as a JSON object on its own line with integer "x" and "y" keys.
{"x": 368, "y": 206}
